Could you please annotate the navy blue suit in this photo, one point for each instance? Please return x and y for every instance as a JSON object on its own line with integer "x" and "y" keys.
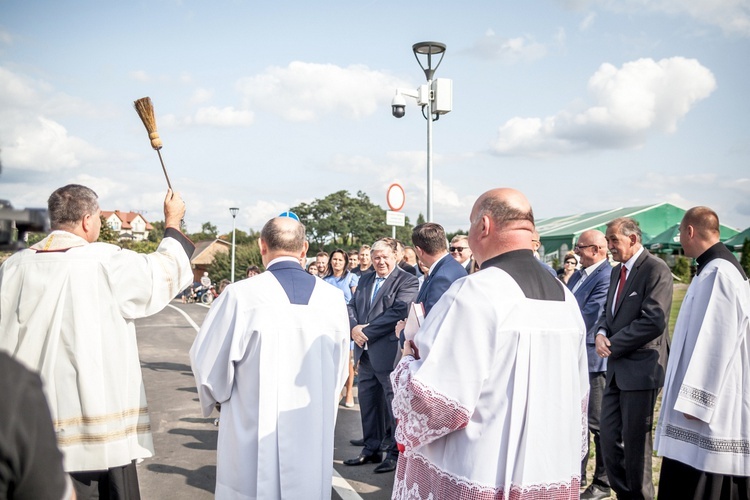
{"x": 591, "y": 297}
{"x": 441, "y": 277}
{"x": 390, "y": 305}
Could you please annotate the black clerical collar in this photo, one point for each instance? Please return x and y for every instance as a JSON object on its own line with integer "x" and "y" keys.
{"x": 530, "y": 275}
{"x": 718, "y": 251}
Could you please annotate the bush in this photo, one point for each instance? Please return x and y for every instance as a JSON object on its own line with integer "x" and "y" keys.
{"x": 682, "y": 268}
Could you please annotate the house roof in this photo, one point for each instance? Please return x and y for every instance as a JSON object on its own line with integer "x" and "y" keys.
{"x": 206, "y": 250}
{"x": 126, "y": 218}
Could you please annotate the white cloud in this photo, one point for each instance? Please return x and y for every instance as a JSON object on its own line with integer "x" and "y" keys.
{"x": 640, "y": 98}
{"x": 588, "y": 21}
{"x": 509, "y": 50}
{"x": 30, "y": 137}
{"x": 306, "y": 91}
{"x": 731, "y": 16}
{"x": 140, "y": 76}
{"x": 5, "y": 37}
{"x": 224, "y": 117}
{"x": 201, "y": 96}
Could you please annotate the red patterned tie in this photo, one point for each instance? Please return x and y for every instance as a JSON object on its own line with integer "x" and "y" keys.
{"x": 621, "y": 284}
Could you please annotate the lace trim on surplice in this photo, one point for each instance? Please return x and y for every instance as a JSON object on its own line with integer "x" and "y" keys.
{"x": 423, "y": 480}
{"x": 424, "y": 415}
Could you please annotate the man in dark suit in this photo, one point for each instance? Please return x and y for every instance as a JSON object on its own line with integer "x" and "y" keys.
{"x": 632, "y": 334}
{"x": 589, "y": 285}
{"x": 382, "y": 299}
{"x": 432, "y": 249}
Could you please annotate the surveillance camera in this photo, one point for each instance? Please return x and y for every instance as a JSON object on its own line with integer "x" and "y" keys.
{"x": 398, "y": 105}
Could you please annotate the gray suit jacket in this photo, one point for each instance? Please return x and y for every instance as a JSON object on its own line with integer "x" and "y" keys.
{"x": 638, "y": 329}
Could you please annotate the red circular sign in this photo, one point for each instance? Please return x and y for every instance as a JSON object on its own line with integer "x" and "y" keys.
{"x": 396, "y": 197}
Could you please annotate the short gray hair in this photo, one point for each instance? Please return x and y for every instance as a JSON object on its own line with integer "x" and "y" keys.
{"x": 384, "y": 243}
{"x": 626, "y": 226}
{"x": 70, "y": 204}
{"x": 501, "y": 212}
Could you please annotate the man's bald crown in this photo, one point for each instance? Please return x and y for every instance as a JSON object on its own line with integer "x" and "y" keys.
{"x": 284, "y": 234}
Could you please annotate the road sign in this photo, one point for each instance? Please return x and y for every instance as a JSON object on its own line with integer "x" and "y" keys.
{"x": 395, "y": 218}
{"x": 396, "y": 197}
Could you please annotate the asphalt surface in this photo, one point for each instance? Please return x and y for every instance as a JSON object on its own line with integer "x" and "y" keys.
{"x": 184, "y": 466}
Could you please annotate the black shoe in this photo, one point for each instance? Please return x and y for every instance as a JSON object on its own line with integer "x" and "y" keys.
{"x": 584, "y": 482}
{"x": 357, "y": 442}
{"x": 362, "y": 459}
{"x": 388, "y": 465}
{"x": 385, "y": 445}
{"x": 596, "y": 492}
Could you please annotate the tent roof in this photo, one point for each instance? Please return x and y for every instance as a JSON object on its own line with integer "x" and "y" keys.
{"x": 569, "y": 225}
{"x": 735, "y": 242}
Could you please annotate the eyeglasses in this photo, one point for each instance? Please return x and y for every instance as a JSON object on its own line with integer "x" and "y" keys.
{"x": 457, "y": 249}
{"x": 581, "y": 247}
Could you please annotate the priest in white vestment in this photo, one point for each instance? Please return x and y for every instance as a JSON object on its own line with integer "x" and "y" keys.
{"x": 67, "y": 310}
{"x": 273, "y": 351}
{"x": 495, "y": 407}
{"x": 704, "y": 426}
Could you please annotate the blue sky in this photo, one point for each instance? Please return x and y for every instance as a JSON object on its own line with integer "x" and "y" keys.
{"x": 581, "y": 104}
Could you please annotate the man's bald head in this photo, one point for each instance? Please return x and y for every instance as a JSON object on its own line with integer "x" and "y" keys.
{"x": 591, "y": 247}
{"x": 282, "y": 236}
{"x": 501, "y": 221}
{"x": 699, "y": 230}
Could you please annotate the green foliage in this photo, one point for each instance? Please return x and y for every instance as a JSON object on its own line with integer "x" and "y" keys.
{"x": 144, "y": 246}
{"x": 241, "y": 237}
{"x": 245, "y": 255}
{"x": 208, "y": 232}
{"x": 107, "y": 234}
{"x": 420, "y": 219}
{"x": 745, "y": 259}
{"x": 343, "y": 221}
{"x": 157, "y": 233}
{"x": 682, "y": 268}
{"x": 452, "y": 235}
{"x": 34, "y": 238}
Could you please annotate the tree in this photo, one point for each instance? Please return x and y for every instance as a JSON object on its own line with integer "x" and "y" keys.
{"x": 107, "y": 234}
{"x": 208, "y": 232}
{"x": 245, "y": 255}
{"x": 241, "y": 237}
{"x": 157, "y": 233}
{"x": 745, "y": 259}
{"x": 420, "y": 219}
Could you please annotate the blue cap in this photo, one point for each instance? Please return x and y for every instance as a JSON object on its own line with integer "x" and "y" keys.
{"x": 291, "y": 215}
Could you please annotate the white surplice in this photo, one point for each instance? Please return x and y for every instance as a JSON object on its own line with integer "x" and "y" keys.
{"x": 708, "y": 376}
{"x": 277, "y": 369}
{"x": 67, "y": 312}
{"x": 496, "y": 406}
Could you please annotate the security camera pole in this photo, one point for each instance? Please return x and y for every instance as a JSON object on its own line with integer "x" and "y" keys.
{"x": 436, "y": 96}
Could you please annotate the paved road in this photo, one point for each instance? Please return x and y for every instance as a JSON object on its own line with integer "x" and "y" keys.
{"x": 185, "y": 463}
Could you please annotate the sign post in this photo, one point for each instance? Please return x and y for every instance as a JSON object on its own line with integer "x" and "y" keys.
{"x": 395, "y": 197}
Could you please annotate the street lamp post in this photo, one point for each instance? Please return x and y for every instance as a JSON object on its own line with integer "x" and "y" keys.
{"x": 436, "y": 97}
{"x": 233, "y": 211}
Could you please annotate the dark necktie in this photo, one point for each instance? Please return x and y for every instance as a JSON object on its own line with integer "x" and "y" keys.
{"x": 621, "y": 284}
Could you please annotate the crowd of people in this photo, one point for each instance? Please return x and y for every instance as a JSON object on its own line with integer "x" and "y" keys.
{"x": 481, "y": 371}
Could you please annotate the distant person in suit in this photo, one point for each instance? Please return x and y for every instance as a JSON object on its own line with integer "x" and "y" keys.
{"x": 632, "y": 334}
{"x": 590, "y": 285}
{"x": 410, "y": 257}
{"x": 431, "y": 245}
{"x": 400, "y": 260}
{"x": 703, "y": 431}
{"x": 459, "y": 250}
{"x": 382, "y": 299}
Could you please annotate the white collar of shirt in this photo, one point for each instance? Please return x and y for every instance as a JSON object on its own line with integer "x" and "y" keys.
{"x": 588, "y": 271}
{"x": 631, "y": 261}
{"x": 432, "y": 267}
{"x": 283, "y": 259}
